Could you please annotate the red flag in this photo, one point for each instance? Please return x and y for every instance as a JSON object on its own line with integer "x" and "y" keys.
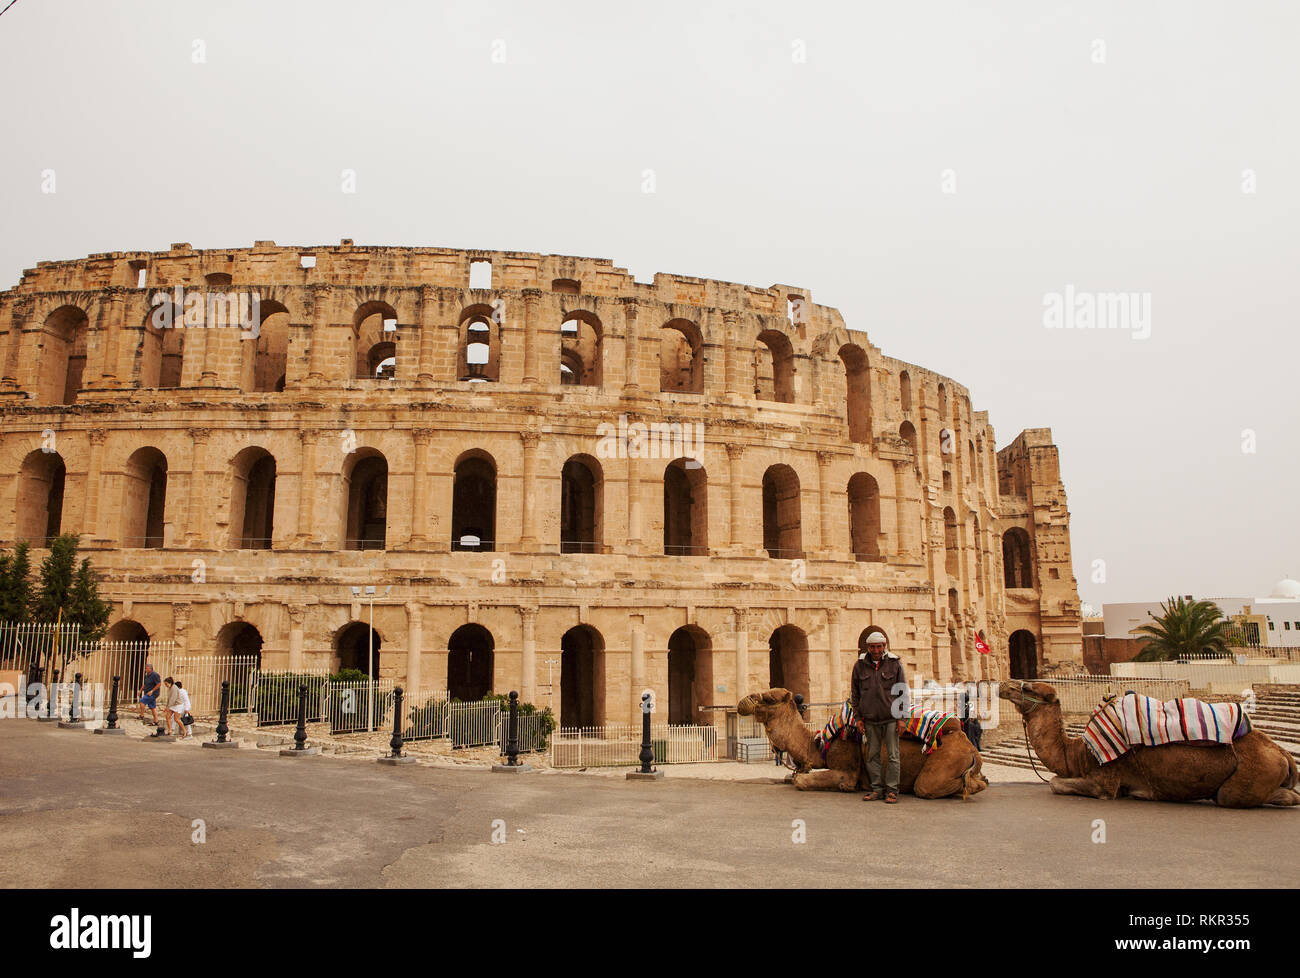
{"x": 980, "y": 647}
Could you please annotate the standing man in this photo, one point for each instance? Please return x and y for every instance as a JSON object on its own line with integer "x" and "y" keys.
{"x": 149, "y": 693}
{"x": 879, "y": 696}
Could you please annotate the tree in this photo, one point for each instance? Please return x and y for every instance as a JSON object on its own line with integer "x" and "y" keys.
{"x": 15, "y": 585}
{"x": 72, "y": 589}
{"x": 1184, "y": 628}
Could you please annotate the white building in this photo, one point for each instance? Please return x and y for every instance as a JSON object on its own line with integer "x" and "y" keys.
{"x": 1281, "y": 609}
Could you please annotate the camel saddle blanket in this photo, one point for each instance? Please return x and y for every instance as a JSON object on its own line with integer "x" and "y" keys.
{"x": 925, "y": 725}
{"x": 1134, "y": 720}
{"x": 839, "y": 727}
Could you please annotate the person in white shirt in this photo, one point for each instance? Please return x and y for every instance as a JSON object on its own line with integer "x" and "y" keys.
{"x": 178, "y": 705}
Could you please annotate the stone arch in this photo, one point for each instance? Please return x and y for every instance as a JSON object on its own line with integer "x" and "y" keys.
{"x": 943, "y": 403}
{"x": 38, "y": 506}
{"x": 1017, "y": 564}
{"x": 239, "y": 638}
{"x": 582, "y": 677}
{"x": 774, "y": 369}
{"x": 581, "y": 348}
{"x": 474, "y": 502}
{"x": 857, "y": 380}
{"x": 582, "y": 491}
{"x": 162, "y": 344}
{"x": 373, "y": 342}
{"x": 862, "y": 638}
{"x": 352, "y": 648}
{"x": 905, "y": 391}
{"x": 787, "y": 660}
{"x": 62, "y": 355}
{"x": 907, "y": 432}
{"x": 681, "y": 357}
{"x": 690, "y": 675}
{"x": 365, "y": 476}
{"x": 951, "y": 544}
{"x": 127, "y": 630}
{"x": 864, "y": 517}
{"x": 144, "y": 499}
{"x": 266, "y": 359}
{"x": 782, "y": 527}
{"x": 252, "y": 499}
{"x": 470, "y": 661}
{"x": 479, "y": 357}
{"x": 1023, "y": 648}
{"x": 686, "y": 509}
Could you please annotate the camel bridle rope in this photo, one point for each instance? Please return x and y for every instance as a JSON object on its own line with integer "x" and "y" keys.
{"x": 1024, "y": 722}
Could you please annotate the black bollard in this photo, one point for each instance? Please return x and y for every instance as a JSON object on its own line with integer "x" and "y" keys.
{"x": 396, "y": 742}
{"x": 33, "y": 681}
{"x": 76, "y": 695}
{"x": 112, "y": 704}
{"x": 512, "y": 731}
{"x": 300, "y": 735}
{"x": 52, "y": 694}
{"x": 223, "y": 727}
{"x": 647, "y": 753}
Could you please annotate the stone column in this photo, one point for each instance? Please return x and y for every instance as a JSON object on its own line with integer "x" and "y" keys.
{"x": 633, "y": 505}
{"x": 638, "y": 670}
{"x": 419, "y": 493}
{"x": 195, "y": 532}
{"x": 824, "y": 460}
{"x": 631, "y": 348}
{"x": 528, "y": 540}
{"x": 734, "y": 454}
{"x": 904, "y": 527}
{"x": 320, "y": 313}
{"x": 22, "y": 311}
{"x": 531, "y": 301}
{"x": 306, "y": 486}
{"x": 297, "y": 615}
{"x": 180, "y": 624}
{"x": 414, "y": 645}
{"x": 732, "y": 353}
{"x": 528, "y": 664}
{"x": 742, "y": 652}
{"x": 111, "y": 308}
{"x": 838, "y": 673}
{"x": 93, "y": 479}
{"x": 428, "y": 333}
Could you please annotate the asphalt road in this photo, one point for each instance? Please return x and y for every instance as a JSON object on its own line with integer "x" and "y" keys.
{"x": 78, "y": 810}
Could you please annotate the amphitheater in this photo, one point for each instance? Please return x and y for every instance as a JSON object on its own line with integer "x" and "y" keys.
{"x": 556, "y": 478}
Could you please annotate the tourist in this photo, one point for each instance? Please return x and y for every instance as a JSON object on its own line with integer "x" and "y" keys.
{"x": 879, "y": 697}
{"x": 171, "y": 695}
{"x": 149, "y": 693}
{"x": 182, "y": 711}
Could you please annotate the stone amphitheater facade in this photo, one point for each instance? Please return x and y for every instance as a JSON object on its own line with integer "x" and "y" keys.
{"x": 558, "y": 479}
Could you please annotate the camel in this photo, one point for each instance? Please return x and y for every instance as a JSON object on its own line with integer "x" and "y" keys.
{"x": 952, "y": 768}
{"x": 1249, "y": 772}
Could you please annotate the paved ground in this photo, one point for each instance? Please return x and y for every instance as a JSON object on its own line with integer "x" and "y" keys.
{"x": 79, "y": 810}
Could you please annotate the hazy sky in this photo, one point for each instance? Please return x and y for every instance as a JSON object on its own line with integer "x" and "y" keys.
{"x": 1101, "y": 146}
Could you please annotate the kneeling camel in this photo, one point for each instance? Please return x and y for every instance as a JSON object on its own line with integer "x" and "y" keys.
{"x": 952, "y": 768}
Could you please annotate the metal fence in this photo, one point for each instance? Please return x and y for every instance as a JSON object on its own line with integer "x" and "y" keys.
{"x": 1082, "y": 693}
{"x": 24, "y": 645}
{"x": 619, "y": 745}
{"x": 434, "y": 715}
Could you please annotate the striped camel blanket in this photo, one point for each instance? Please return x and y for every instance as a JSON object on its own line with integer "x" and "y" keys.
{"x": 839, "y": 727}
{"x": 925, "y": 725}
{"x": 1134, "y": 720}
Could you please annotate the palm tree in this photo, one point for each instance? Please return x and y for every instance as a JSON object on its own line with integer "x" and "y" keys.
{"x": 1184, "y": 628}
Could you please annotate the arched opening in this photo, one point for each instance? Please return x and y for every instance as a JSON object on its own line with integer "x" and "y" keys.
{"x": 130, "y": 655}
{"x": 951, "y": 544}
{"x": 217, "y": 280}
{"x": 1024, "y": 655}
{"x": 862, "y": 638}
{"x": 270, "y": 351}
{"x": 252, "y": 500}
{"x": 943, "y": 403}
{"x": 782, "y": 530}
{"x": 127, "y": 630}
{"x": 62, "y": 355}
{"x": 581, "y": 506}
{"x": 905, "y": 390}
{"x": 864, "y": 517}
{"x": 947, "y": 481}
{"x": 907, "y": 432}
{"x": 1016, "y": 562}
{"x": 474, "y": 503}
{"x": 565, "y": 286}
{"x": 241, "y": 639}
{"x": 686, "y": 510}
{"x": 353, "y": 649}
{"x": 977, "y": 543}
{"x": 581, "y": 350}
{"x": 787, "y": 660}
{"x": 39, "y": 502}
{"x": 469, "y": 663}
{"x": 480, "y": 344}
{"x": 365, "y": 472}
{"x": 956, "y": 661}
{"x": 582, "y": 678}
{"x": 374, "y": 331}
{"x": 681, "y": 357}
{"x": 144, "y": 498}
{"x": 857, "y": 382}
{"x": 774, "y": 367}
{"x": 970, "y": 457}
{"x": 690, "y": 675}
